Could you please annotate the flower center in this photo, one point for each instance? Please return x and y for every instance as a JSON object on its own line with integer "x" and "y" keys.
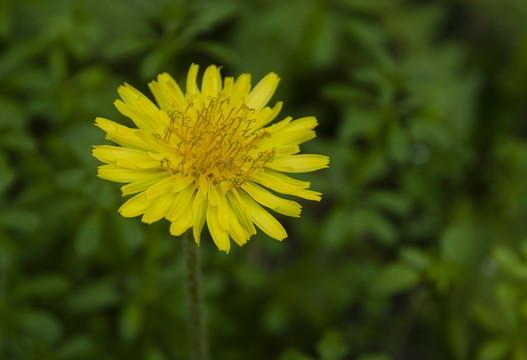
{"x": 215, "y": 139}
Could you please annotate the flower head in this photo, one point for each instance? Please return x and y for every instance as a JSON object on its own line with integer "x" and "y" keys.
{"x": 208, "y": 156}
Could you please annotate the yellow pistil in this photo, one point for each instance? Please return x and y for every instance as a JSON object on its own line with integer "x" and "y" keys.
{"x": 215, "y": 139}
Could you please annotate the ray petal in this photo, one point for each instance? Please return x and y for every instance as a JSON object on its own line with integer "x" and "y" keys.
{"x": 218, "y": 233}
{"x": 299, "y": 163}
{"x": 135, "y": 206}
{"x": 167, "y": 93}
{"x": 266, "y": 198}
{"x": 262, "y": 218}
{"x": 211, "y": 83}
{"x": 199, "y": 215}
{"x": 263, "y": 91}
{"x": 192, "y": 85}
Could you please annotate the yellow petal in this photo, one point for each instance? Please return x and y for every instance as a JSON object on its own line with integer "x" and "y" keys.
{"x": 135, "y": 206}
{"x": 284, "y": 184}
{"x": 264, "y": 197}
{"x": 153, "y": 121}
{"x": 299, "y": 163}
{"x": 120, "y": 134}
{"x": 262, "y": 218}
{"x": 223, "y": 211}
{"x": 263, "y": 91}
{"x": 239, "y": 212}
{"x": 200, "y": 197}
{"x": 183, "y": 203}
{"x": 218, "y": 233}
{"x": 203, "y": 185}
{"x": 228, "y": 84}
{"x": 143, "y": 112}
{"x": 143, "y": 183}
{"x": 236, "y": 231}
{"x": 266, "y": 115}
{"x": 118, "y": 174}
{"x": 182, "y": 182}
{"x": 134, "y": 97}
{"x": 183, "y": 223}
{"x": 124, "y": 157}
{"x": 296, "y": 132}
{"x": 241, "y": 89}
{"x": 213, "y": 193}
{"x": 159, "y": 208}
{"x": 192, "y": 85}
{"x": 211, "y": 83}
{"x": 276, "y": 127}
{"x": 154, "y": 142}
{"x": 198, "y": 217}
{"x": 161, "y": 188}
{"x": 167, "y": 93}
{"x": 285, "y": 150}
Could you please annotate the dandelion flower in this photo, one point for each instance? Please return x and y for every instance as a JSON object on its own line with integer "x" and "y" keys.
{"x": 208, "y": 156}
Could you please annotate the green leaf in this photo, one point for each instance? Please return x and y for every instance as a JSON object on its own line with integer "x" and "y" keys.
{"x": 510, "y": 262}
{"x": 414, "y": 258}
{"x": 399, "y": 144}
{"x": 130, "y": 322}
{"x": 294, "y": 354}
{"x": 368, "y": 222}
{"x": 378, "y": 356}
{"x": 40, "y": 325}
{"x": 332, "y": 346}
{"x": 132, "y": 231}
{"x": 49, "y": 285}
{"x": 94, "y": 297}
{"x": 7, "y": 174}
{"x": 459, "y": 243}
{"x": 393, "y": 279}
{"x": 495, "y": 349}
{"x": 19, "y": 220}
{"x": 76, "y": 347}
{"x": 395, "y": 202}
{"x": 88, "y": 236}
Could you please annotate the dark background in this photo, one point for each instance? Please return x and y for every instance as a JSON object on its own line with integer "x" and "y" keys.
{"x": 418, "y": 249}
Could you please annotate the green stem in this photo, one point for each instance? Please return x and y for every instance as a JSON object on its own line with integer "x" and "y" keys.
{"x": 196, "y": 322}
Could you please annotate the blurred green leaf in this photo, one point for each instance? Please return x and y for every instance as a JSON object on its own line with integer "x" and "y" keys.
{"x": 332, "y": 346}
{"x": 414, "y": 258}
{"x": 88, "y": 236}
{"x": 132, "y": 231}
{"x": 46, "y": 285}
{"x": 510, "y": 262}
{"x": 130, "y": 322}
{"x": 6, "y": 173}
{"x": 39, "y": 325}
{"x": 94, "y": 297}
{"x": 293, "y": 354}
{"x": 458, "y": 243}
{"x": 19, "y": 220}
{"x": 399, "y": 144}
{"x": 374, "y": 357}
{"x": 394, "y": 278}
{"x": 496, "y": 349}
{"x": 75, "y": 347}
{"x": 368, "y": 222}
{"x": 395, "y": 202}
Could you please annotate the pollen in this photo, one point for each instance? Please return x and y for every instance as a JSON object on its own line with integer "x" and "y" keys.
{"x": 216, "y": 139}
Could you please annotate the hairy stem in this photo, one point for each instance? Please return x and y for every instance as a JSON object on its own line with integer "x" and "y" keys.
{"x": 196, "y": 321}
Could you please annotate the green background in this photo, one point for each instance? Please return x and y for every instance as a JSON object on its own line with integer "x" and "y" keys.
{"x": 418, "y": 249}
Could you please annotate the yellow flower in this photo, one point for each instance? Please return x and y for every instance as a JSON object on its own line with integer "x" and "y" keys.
{"x": 208, "y": 156}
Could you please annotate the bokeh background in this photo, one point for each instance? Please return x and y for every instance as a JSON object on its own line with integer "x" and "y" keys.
{"x": 418, "y": 249}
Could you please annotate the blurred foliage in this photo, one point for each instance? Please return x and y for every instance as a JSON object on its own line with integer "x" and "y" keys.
{"x": 418, "y": 249}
